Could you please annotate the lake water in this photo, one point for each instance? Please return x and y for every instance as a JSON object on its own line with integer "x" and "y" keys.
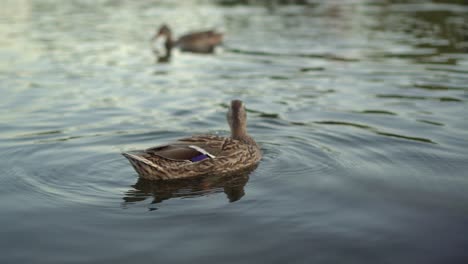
{"x": 360, "y": 108}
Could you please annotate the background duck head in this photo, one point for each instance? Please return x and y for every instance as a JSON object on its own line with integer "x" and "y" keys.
{"x": 165, "y": 32}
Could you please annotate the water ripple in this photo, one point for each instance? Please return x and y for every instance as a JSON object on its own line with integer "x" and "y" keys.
{"x": 61, "y": 178}
{"x": 369, "y": 128}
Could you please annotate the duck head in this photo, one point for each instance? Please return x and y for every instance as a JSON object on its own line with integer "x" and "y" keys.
{"x": 163, "y": 31}
{"x": 237, "y": 119}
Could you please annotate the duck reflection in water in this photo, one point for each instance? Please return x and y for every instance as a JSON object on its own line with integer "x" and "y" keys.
{"x": 232, "y": 185}
{"x": 197, "y": 42}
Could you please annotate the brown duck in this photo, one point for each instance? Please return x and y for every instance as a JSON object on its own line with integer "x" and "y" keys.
{"x": 198, "y": 42}
{"x": 202, "y": 154}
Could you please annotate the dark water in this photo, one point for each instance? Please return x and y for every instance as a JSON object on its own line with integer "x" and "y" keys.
{"x": 360, "y": 108}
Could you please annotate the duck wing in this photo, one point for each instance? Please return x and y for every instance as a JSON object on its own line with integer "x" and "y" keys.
{"x": 194, "y": 148}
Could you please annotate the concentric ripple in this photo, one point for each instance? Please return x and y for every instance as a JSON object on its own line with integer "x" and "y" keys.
{"x": 75, "y": 178}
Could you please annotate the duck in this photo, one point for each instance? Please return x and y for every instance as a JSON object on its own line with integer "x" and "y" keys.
{"x": 196, "y": 42}
{"x": 201, "y": 155}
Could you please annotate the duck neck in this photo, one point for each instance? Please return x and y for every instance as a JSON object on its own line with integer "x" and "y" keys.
{"x": 168, "y": 47}
{"x": 240, "y": 133}
{"x": 169, "y": 42}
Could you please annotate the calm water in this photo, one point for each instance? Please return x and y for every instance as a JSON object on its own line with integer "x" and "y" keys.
{"x": 360, "y": 108}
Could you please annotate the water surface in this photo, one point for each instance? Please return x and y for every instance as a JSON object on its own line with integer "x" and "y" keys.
{"x": 360, "y": 108}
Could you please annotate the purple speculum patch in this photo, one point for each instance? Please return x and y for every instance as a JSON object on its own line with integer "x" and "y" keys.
{"x": 199, "y": 158}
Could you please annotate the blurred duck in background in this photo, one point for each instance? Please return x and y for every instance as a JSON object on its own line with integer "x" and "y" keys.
{"x": 197, "y": 42}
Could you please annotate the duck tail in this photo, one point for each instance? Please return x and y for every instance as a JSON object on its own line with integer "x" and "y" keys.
{"x": 145, "y": 168}
{"x": 217, "y": 38}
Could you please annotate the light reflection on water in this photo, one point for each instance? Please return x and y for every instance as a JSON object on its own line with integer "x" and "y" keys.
{"x": 358, "y": 107}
